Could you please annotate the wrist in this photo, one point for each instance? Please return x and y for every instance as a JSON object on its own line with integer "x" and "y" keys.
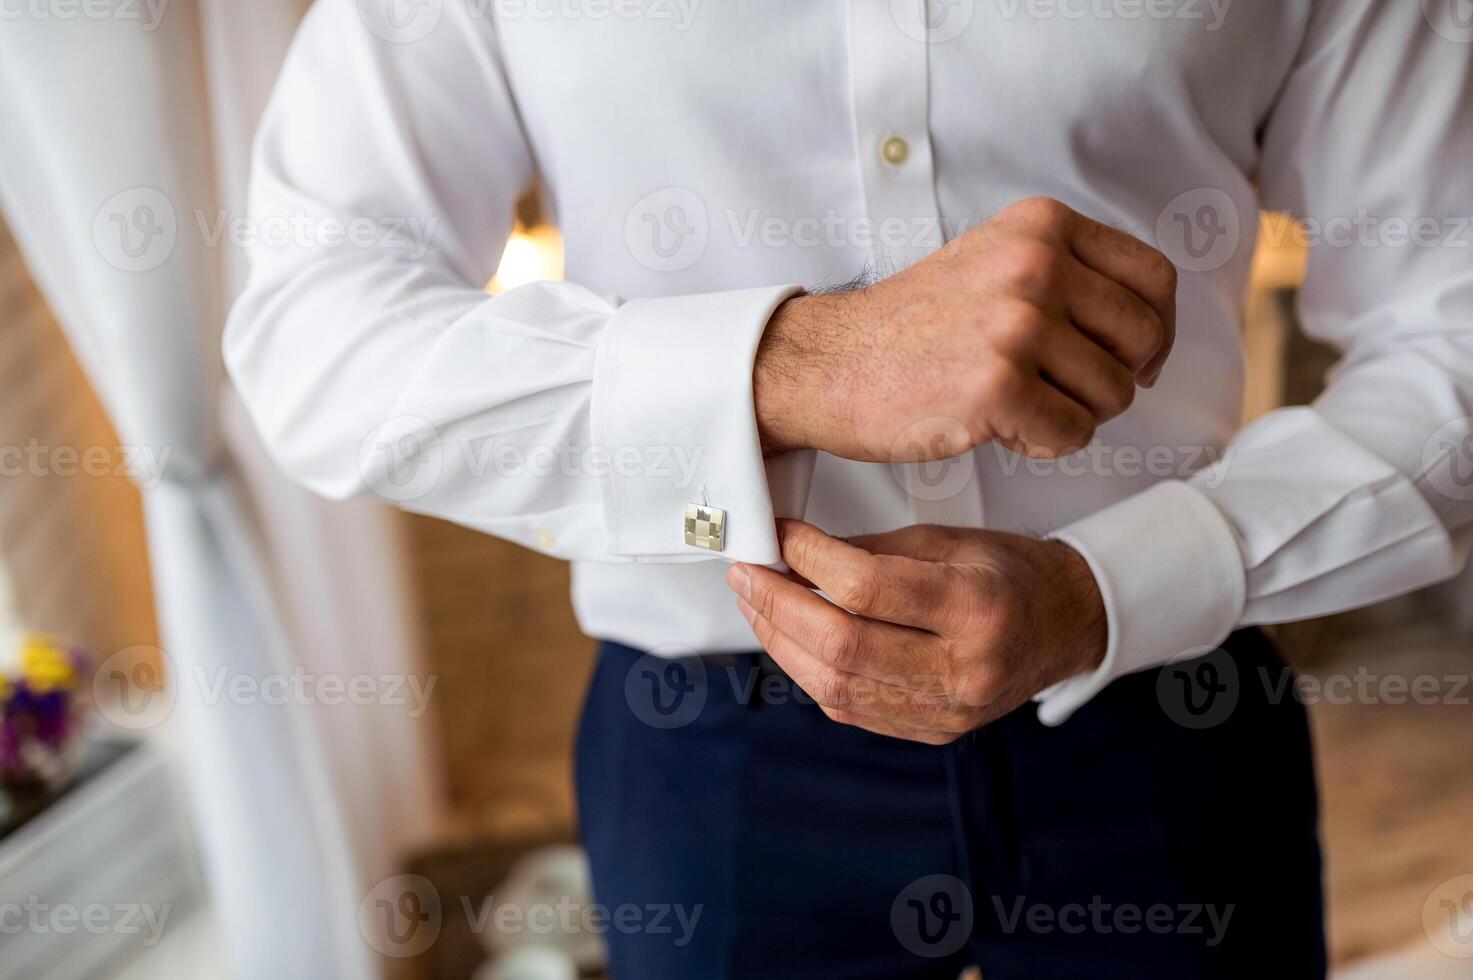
{"x": 793, "y": 382}
{"x": 1086, "y": 636}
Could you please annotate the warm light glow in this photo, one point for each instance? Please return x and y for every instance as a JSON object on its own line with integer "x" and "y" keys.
{"x": 1281, "y": 256}
{"x": 532, "y": 255}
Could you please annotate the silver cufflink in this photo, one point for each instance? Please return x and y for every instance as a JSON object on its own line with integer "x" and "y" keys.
{"x": 705, "y": 527}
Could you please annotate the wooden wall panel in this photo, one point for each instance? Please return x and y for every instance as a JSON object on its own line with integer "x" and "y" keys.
{"x": 71, "y": 536}
{"x": 512, "y": 670}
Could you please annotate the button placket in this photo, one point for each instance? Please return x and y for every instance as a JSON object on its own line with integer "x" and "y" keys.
{"x": 889, "y": 63}
{"x": 888, "y": 69}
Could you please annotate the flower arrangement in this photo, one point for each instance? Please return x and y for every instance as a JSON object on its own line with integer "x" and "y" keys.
{"x": 42, "y": 709}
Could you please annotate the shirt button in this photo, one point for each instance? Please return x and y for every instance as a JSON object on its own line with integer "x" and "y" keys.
{"x": 894, "y": 151}
{"x": 545, "y": 541}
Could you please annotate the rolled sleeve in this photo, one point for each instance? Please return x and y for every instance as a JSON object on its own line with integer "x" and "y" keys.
{"x": 673, "y": 382}
{"x": 1171, "y": 575}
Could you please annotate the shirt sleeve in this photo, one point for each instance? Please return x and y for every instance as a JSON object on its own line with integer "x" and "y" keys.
{"x": 371, "y": 360}
{"x": 1368, "y": 493}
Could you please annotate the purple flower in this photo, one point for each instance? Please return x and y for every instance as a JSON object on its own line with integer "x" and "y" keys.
{"x": 39, "y": 728}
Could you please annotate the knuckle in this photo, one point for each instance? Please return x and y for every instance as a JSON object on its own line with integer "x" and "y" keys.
{"x": 1032, "y": 267}
{"x": 1139, "y": 349}
{"x": 838, "y": 645}
{"x": 764, "y": 599}
{"x": 856, "y": 588}
{"x": 1163, "y": 273}
{"x": 1044, "y": 212}
{"x": 1120, "y": 394}
{"x": 799, "y": 551}
{"x": 1152, "y": 332}
{"x": 764, "y": 631}
{"x": 832, "y": 690}
{"x": 1076, "y": 428}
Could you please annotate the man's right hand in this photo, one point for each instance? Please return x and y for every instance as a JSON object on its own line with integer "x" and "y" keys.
{"x": 1029, "y": 330}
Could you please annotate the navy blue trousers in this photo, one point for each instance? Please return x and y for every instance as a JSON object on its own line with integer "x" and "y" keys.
{"x": 1169, "y": 830}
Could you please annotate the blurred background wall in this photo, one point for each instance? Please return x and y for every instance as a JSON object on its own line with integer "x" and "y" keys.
{"x": 73, "y": 544}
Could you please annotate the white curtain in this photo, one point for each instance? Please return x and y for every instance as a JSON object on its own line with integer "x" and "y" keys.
{"x": 340, "y": 565}
{"x": 121, "y": 135}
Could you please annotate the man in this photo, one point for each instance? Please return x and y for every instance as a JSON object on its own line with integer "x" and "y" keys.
{"x": 986, "y": 177}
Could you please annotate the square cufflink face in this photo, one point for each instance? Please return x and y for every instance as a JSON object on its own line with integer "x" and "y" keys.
{"x": 705, "y": 527}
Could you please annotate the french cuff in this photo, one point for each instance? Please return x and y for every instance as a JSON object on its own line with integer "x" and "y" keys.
{"x": 1171, "y": 575}
{"x": 673, "y": 410}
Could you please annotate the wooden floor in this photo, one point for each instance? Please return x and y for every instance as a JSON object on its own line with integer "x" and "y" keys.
{"x": 1396, "y": 781}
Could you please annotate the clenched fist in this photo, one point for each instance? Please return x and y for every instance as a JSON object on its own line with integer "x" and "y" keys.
{"x": 1029, "y": 330}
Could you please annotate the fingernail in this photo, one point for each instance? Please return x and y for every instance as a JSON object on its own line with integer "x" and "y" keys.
{"x": 740, "y": 580}
{"x": 748, "y": 613}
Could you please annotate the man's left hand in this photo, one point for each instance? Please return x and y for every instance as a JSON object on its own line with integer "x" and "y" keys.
{"x": 937, "y": 631}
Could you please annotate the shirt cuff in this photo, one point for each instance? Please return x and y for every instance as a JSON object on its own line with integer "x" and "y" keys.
{"x": 673, "y": 411}
{"x": 1172, "y": 579}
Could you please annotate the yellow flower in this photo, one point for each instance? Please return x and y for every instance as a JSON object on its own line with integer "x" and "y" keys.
{"x": 45, "y": 665}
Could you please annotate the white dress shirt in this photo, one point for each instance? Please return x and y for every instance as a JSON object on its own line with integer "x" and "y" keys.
{"x": 707, "y": 160}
